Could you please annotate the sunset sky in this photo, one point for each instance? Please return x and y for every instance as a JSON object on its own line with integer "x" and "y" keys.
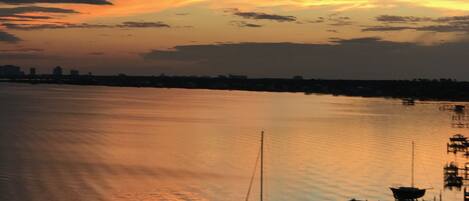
{"x": 346, "y": 39}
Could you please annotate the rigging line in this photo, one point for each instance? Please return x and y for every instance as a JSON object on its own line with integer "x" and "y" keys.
{"x": 253, "y": 175}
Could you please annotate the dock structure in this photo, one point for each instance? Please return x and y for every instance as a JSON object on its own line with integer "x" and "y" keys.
{"x": 451, "y": 107}
{"x": 455, "y": 176}
{"x": 458, "y": 138}
{"x": 456, "y": 147}
{"x": 460, "y": 117}
{"x": 466, "y": 195}
{"x": 452, "y": 176}
{"x": 466, "y": 171}
{"x": 460, "y": 120}
{"x": 408, "y": 101}
{"x": 459, "y": 108}
{"x": 451, "y": 169}
{"x": 458, "y": 143}
{"x": 459, "y": 124}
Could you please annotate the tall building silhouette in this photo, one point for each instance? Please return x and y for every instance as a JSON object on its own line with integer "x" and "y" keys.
{"x": 32, "y": 72}
{"x": 10, "y": 71}
{"x": 74, "y": 72}
{"x": 57, "y": 72}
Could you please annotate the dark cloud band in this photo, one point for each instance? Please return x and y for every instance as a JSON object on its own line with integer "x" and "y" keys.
{"x": 361, "y": 58}
{"x": 262, "y": 16}
{"x": 143, "y": 25}
{"x": 8, "y": 38}
{"x": 94, "y": 2}
{"x": 21, "y": 13}
{"x": 401, "y": 19}
{"x": 29, "y": 27}
{"x": 442, "y": 24}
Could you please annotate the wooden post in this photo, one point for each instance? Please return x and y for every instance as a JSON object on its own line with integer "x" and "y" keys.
{"x": 465, "y": 197}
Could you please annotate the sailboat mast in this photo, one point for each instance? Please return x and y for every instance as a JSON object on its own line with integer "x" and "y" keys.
{"x": 413, "y": 148}
{"x": 262, "y": 166}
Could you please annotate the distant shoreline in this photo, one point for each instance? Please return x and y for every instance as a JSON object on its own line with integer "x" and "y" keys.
{"x": 421, "y": 89}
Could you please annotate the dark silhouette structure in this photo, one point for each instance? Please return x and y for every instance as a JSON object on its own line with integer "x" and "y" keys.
{"x": 237, "y": 76}
{"x": 57, "y": 71}
{"x": 408, "y": 101}
{"x": 32, "y": 72}
{"x": 451, "y": 175}
{"x": 455, "y": 176}
{"x": 417, "y": 89}
{"x": 74, "y": 73}
{"x": 10, "y": 71}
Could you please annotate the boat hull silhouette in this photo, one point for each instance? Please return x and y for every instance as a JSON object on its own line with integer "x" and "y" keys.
{"x": 407, "y": 193}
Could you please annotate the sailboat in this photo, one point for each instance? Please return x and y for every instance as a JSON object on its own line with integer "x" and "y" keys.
{"x": 412, "y": 192}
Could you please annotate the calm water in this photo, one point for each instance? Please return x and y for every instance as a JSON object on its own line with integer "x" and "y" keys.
{"x": 102, "y": 143}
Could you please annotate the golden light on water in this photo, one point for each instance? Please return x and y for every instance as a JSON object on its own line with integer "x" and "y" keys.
{"x": 175, "y": 144}
{"x": 61, "y": 142}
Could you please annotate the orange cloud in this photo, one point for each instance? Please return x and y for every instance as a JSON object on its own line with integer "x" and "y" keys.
{"x": 133, "y": 7}
{"x": 122, "y": 8}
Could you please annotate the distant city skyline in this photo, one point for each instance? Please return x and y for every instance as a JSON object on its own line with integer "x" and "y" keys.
{"x": 13, "y": 70}
{"x": 330, "y": 39}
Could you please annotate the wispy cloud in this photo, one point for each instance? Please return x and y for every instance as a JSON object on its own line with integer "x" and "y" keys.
{"x": 30, "y": 13}
{"x": 22, "y": 50}
{"x": 25, "y": 56}
{"x": 334, "y": 19}
{"x": 96, "y": 53}
{"x": 262, "y": 16}
{"x": 182, "y": 14}
{"x": 318, "y": 20}
{"x": 341, "y": 5}
{"x": 30, "y": 9}
{"x": 387, "y": 28}
{"x": 364, "y": 40}
{"x": 8, "y": 38}
{"x": 143, "y": 25}
{"x": 445, "y": 28}
{"x": 414, "y": 19}
{"x": 28, "y": 27}
{"x": 441, "y": 24}
{"x": 245, "y": 24}
{"x": 401, "y": 19}
{"x": 340, "y": 21}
